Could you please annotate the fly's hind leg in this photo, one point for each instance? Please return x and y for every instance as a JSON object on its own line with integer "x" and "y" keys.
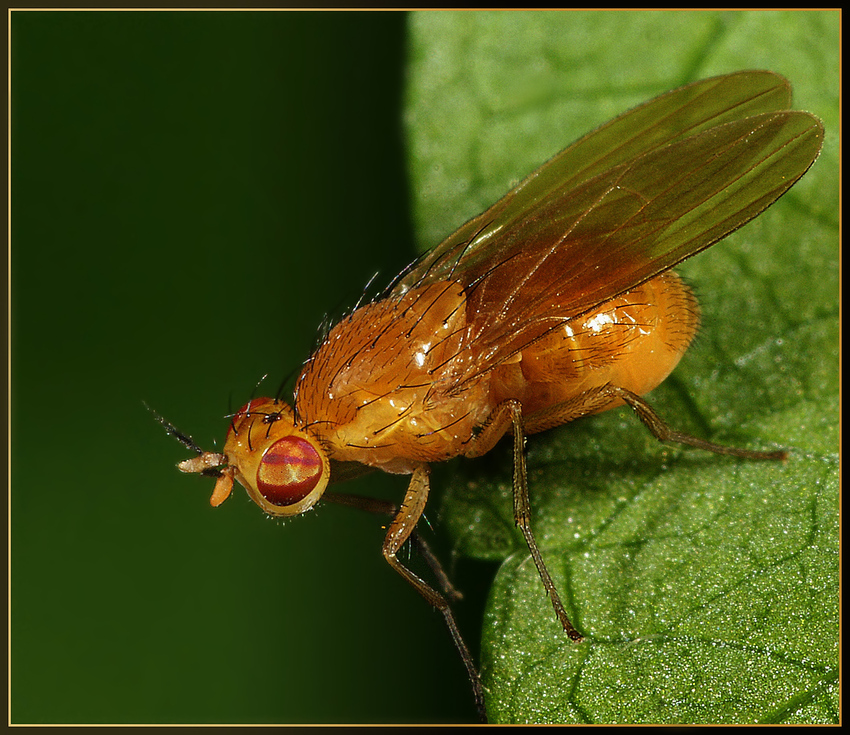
{"x": 508, "y": 415}
{"x": 597, "y": 399}
{"x": 400, "y": 529}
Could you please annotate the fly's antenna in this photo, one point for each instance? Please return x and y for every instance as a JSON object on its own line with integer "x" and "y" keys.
{"x": 189, "y": 443}
{"x": 172, "y": 430}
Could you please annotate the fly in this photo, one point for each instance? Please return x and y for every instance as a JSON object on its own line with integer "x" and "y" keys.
{"x": 557, "y": 302}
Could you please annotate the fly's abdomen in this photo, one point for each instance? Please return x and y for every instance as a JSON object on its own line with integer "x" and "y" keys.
{"x": 633, "y": 341}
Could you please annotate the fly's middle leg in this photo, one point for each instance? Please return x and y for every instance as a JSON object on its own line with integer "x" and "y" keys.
{"x": 508, "y": 415}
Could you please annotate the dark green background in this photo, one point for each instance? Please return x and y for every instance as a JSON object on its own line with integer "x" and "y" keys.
{"x": 191, "y": 193}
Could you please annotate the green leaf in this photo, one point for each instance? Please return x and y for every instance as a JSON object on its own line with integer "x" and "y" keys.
{"x": 707, "y": 587}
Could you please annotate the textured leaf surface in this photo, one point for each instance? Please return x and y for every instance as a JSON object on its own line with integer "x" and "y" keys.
{"x": 707, "y": 587}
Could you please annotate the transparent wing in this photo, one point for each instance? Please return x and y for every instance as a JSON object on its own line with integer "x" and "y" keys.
{"x": 623, "y": 204}
{"x": 663, "y": 120}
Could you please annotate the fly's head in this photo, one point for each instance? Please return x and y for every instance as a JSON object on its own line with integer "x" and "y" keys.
{"x": 284, "y": 469}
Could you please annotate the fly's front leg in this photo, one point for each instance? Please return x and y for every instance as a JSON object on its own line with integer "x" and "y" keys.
{"x": 400, "y": 529}
{"x": 508, "y": 415}
{"x": 384, "y": 507}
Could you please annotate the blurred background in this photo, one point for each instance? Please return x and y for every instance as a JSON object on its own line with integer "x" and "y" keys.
{"x": 192, "y": 192}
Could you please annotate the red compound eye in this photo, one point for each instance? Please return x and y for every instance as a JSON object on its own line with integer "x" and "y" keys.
{"x": 289, "y": 471}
